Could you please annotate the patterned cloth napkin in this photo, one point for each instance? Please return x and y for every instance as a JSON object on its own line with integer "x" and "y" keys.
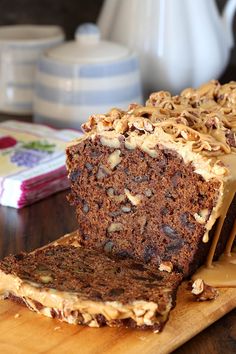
{"x": 32, "y": 162}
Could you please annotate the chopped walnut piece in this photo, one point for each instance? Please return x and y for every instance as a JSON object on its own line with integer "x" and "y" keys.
{"x": 148, "y": 126}
{"x": 231, "y": 138}
{"x": 46, "y": 278}
{"x": 120, "y": 125}
{"x": 197, "y": 287}
{"x": 116, "y": 197}
{"x": 114, "y": 159}
{"x": 201, "y": 216}
{"x": 203, "y": 291}
{"x": 166, "y": 266}
{"x": 115, "y": 227}
{"x": 133, "y": 106}
{"x": 142, "y": 221}
{"x": 112, "y": 141}
{"x": 103, "y": 172}
{"x": 134, "y": 199}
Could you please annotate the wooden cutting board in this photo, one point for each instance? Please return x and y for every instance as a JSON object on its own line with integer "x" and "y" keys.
{"x": 23, "y": 332}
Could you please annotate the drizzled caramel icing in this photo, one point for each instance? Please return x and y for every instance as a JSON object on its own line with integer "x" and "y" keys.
{"x": 204, "y": 119}
{"x": 222, "y": 273}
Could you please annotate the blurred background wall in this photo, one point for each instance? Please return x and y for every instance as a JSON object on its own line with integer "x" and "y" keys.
{"x": 67, "y": 13}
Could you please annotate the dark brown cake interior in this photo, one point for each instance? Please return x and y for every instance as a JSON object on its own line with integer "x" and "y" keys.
{"x": 162, "y": 226}
{"x": 93, "y": 275}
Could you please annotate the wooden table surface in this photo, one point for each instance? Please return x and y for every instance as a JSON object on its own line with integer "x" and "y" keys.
{"x": 44, "y": 221}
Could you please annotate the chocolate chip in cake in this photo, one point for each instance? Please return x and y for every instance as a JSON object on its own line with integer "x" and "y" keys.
{"x": 19, "y": 256}
{"x": 85, "y": 208}
{"x": 170, "y": 232}
{"x": 89, "y": 166}
{"x": 118, "y": 270}
{"x": 84, "y": 236}
{"x": 82, "y": 270}
{"x": 114, "y": 214}
{"x": 123, "y": 254}
{"x": 96, "y": 295}
{"x": 108, "y": 246}
{"x": 37, "y": 304}
{"x": 151, "y": 285}
{"x": 101, "y": 320}
{"x": 139, "y": 277}
{"x": 184, "y": 218}
{"x": 168, "y": 195}
{"x": 42, "y": 267}
{"x": 53, "y": 313}
{"x": 175, "y": 178}
{"x": 149, "y": 252}
{"x": 126, "y": 208}
{"x": 155, "y": 276}
{"x": 164, "y": 211}
{"x": 74, "y": 175}
{"x": 140, "y": 179}
{"x": 95, "y": 153}
{"x": 148, "y": 193}
{"x": 175, "y": 245}
{"x": 137, "y": 266}
{"x": 116, "y": 292}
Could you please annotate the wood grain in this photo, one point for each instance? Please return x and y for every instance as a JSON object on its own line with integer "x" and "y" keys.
{"x": 22, "y": 331}
{"x": 35, "y": 225}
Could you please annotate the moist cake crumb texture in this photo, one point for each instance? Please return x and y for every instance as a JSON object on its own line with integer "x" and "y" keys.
{"x": 150, "y": 209}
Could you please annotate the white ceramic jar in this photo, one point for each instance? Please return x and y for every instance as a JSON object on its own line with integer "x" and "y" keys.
{"x": 20, "y": 48}
{"x": 84, "y": 77}
{"x": 180, "y": 43}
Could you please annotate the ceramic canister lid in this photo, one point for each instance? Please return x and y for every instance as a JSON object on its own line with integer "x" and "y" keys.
{"x": 30, "y": 34}
{"x": 87, "y": 48}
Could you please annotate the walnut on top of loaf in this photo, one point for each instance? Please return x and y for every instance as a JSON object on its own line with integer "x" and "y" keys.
{"x": 204, "y": 117}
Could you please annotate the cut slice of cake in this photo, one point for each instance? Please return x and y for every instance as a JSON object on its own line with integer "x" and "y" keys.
{"x": 148, "y": 183}
{"x": 82, "y": 286}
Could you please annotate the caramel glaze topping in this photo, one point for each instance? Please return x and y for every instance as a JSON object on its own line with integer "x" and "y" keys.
{"x": 204, "y": 118}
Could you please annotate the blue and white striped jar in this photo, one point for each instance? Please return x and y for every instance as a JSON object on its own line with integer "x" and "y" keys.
{"x": 20, "y": 48}
{"x": 84, "y": 77}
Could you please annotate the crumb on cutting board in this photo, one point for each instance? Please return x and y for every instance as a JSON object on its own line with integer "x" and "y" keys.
{"x": 57, "y": 328}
